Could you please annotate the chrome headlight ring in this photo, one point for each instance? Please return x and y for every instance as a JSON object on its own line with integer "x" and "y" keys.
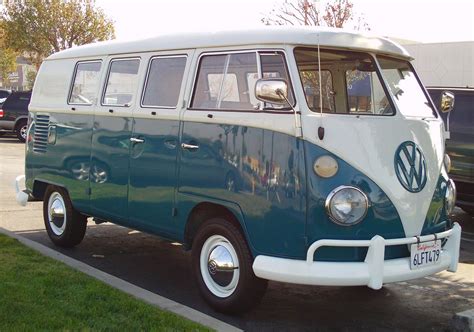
{"x": 450, "y": 197}
{"x": 447, "y": 163}
{"x": 349, "y": 199}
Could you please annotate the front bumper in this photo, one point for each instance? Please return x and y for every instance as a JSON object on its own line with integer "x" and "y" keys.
{"x": 21, "y": 195}
{"x": 373, "y": 272}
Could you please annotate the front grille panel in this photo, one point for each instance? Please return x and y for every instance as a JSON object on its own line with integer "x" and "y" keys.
{"x": 40, "y": 143}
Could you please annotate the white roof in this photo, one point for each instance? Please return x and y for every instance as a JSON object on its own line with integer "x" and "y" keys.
{"x": 328, "y": 37}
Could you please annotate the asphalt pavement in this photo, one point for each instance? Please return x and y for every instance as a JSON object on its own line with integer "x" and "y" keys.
{"x": 163, "y": 267}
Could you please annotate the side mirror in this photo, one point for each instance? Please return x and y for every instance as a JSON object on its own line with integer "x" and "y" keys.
{"x": 447, "y": 102}
{"x": 272, "y": 90}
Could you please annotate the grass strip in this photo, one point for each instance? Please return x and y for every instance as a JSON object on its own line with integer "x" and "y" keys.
{"x": 39, "y": 293}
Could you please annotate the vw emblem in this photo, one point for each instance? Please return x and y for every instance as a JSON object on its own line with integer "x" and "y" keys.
{"x": 212, "y": 267}
{"x": 410, "y": 167}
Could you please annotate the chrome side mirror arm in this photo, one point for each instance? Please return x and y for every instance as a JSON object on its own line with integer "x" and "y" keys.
{"x": 298, "y": 129}
{"x": 275, "y": 91}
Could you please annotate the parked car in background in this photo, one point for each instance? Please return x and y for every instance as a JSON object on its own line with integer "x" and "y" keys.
{"x": 460, "y": 146}
{"x": 14, "y": 114}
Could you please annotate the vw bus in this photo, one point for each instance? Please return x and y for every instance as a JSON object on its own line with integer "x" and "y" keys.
{"x": 300, "y": 155}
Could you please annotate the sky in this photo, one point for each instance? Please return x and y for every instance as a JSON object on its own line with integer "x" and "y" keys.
{"x": 417, "y": 20}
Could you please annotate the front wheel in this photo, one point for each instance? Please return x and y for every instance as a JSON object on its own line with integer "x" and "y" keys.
{"x": 222, "y": 265}
{"x": 66, "y": 227}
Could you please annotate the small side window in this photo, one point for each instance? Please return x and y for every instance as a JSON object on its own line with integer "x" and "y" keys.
{"x": 86, "y": 83}
{"x": 165, "y": 76}
{"x": 121, "y": 83}
{"x": 274, "y": 66}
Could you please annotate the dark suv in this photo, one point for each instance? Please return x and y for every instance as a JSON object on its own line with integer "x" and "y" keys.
{"x": 460, "y": 146}
{"x": 14, "y": 114}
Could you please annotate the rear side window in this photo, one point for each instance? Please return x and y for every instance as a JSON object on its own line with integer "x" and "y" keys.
{"x": 165, "y": 76}
{"x": 86, "y": 83}
{"x": 17, "y": 101}
{"x": 223, "y": 82}
{"x": 121, "y": 82}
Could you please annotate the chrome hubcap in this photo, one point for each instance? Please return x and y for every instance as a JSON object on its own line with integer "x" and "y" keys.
{"x": 219, "y": 266}
{"x": 23, "y": 131}
{"x": 57, "y": 213}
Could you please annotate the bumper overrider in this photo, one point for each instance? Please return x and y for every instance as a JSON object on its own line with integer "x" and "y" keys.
{"x": 373, "y": 272}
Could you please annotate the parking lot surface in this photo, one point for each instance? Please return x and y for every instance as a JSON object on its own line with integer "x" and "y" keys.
{"x": 164, "y": 268}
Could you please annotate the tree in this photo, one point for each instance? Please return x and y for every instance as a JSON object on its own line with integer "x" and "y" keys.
{"x": 30, "y": 79}
{"x": 38, "y": 28}
{"x": 337, "y": 13}
{"x": 7, "y": 64}
{"x": 7, "y": 58}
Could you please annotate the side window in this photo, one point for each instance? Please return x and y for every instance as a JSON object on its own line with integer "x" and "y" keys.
{"x": 274, "y": 66}
{"x": 85, "y": 85}
{"x": 121, "y": 82}
{"x": 222, "y": 82}
{"x": 163, "y": 85}
{"x": 310, "y": 81}
{"x": 462, "y": 117}
{"x": 350, "y": 84}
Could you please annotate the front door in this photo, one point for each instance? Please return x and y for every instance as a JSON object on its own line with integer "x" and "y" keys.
{"x": 154, "y": 145}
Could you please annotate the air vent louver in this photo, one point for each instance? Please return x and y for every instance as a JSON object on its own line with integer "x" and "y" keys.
{"x": 41, "y": 133}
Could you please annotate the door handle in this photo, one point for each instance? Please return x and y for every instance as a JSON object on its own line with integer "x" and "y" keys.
{"x": 189, "y": 146}
{"x": 136, "y": 140}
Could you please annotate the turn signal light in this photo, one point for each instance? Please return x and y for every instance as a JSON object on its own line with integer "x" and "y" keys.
{"x": 325, "y": 166}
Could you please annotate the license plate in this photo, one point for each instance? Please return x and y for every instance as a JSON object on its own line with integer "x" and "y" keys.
{"x": 425, "y": 254}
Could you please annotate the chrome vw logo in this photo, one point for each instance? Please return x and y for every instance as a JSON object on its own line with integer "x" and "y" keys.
{"x": 410, "y": 167}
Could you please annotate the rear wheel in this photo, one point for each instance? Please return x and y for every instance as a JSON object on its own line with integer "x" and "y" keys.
{"x": 222, "y": 265}
{"x": 65, "y": 226}
{"x": 21, "y": 130}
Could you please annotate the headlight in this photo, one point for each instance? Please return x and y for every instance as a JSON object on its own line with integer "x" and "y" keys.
{"x": 347, "y": 206}
{"x": 447, "y": 163}
{"x": 450, "y": 197}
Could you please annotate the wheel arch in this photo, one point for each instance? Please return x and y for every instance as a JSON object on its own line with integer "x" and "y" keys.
{"x": 39, "y": 188}
{"x": 19, "y": 120}
{"x": 207, "y": 210}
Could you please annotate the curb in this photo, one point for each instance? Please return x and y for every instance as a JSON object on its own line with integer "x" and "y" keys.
{"x": 126, "y": 287}
{"x": 463, "y": 321}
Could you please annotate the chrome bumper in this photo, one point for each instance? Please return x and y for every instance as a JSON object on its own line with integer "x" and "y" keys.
{"x": 373, "y": 272}
{"x": 21, "y": 196}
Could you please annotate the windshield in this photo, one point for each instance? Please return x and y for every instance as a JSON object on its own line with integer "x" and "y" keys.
{"x": 407, "y": 91}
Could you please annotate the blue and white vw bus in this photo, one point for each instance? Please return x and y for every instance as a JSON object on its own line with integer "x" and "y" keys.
{"x": 301, "y": 155}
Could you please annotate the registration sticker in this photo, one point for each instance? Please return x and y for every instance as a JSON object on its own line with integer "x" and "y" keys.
{"x": 425, "y": 254}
